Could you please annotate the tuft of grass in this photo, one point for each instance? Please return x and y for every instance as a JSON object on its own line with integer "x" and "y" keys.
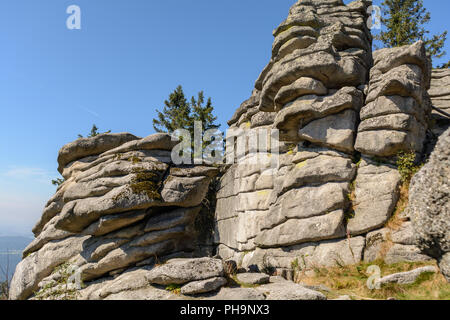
{"x": 396, "y": 221}
{"x": 352, "y": 281}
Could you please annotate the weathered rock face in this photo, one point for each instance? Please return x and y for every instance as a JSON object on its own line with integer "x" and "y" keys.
{"x": 395, "y": 116}
{"x": 429, "y": 205}
{"x": 440, "y": 98}
{"x": 342, "y": 113}
{"x": 123, "y": 203}
{"x": 333, "y": 102}
{"x": 312, "y": 92}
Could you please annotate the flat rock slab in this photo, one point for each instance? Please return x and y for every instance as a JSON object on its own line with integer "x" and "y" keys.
{"x": 407, "y": 277}
{"x": 253, "y": 278}
{"x": 342, "y": 298}
{"x": 319, "y": 287}
{"x": 376, "y": 195}
{"x": 181, "y": 271}
{"x": 277, "y": 279}
{"x": 238, "y": 294}
{"x": 289, "y": 291}
{"x": 148, "y": 293}
{"x": 401, "y": 253}
{"x": 203, "y": 286}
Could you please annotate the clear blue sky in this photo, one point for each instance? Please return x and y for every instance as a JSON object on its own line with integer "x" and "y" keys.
{"x": 126, "y": 59}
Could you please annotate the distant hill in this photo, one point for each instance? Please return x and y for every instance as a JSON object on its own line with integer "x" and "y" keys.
{"x": 11, "y": 253}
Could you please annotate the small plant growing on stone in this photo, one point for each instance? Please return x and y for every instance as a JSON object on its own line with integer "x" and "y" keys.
{"x": 406, "y": 165}
{"x": 94, "y": 132}
{"x": 144, "y": 182}
{"x": 295, "y": 264}
{"x": 174, "y": 288}
{"x": 58, "y": 182}
{"x": 61, "y": 287}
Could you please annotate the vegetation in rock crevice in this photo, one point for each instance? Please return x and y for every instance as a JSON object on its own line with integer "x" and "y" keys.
{"x": 62, "y": 287}
{"x": 147, "y": 183}
{"x": 174, "y": 288}
{"x": 406, "y": 163}
{"x": 143, "y": 182}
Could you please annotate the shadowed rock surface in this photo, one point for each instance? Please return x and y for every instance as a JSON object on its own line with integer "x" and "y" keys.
{"x": 429, "y": 205}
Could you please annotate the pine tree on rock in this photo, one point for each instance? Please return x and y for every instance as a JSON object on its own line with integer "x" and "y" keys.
{"x": 176, "y": 113}
{"x": 204, "y": 114}
{"x": 404, "y": 21}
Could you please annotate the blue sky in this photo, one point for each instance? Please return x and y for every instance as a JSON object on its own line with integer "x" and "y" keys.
{"x": 114, "y": 72}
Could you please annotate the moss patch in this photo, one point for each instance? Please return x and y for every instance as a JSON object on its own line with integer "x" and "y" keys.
{"x": 135, "y": 159}
{"x": 146, "y": 183}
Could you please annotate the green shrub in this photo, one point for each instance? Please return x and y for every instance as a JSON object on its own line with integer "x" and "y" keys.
{"x": 406, "y": 165}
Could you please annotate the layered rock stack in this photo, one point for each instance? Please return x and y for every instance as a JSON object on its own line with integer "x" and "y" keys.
{"x": 342, "y": 113}
{"x": 312, "y": 92}
{"x": 440, "y": 98}
{"x": 395, "y": 117}
{"x": 123, "y": 204}
{"x": 336, "y": 184}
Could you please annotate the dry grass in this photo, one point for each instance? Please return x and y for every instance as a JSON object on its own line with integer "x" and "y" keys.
{"x": 352, "y": 281}
{"x": 396, "y": 220}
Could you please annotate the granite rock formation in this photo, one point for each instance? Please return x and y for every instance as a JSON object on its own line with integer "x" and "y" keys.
{"x": 343, "y": 114}
{"x": 429, "y": 205}
{"x": 123, "y": 204}
{"x": 440, "y": 98}
{"x": 127, "y": 217}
